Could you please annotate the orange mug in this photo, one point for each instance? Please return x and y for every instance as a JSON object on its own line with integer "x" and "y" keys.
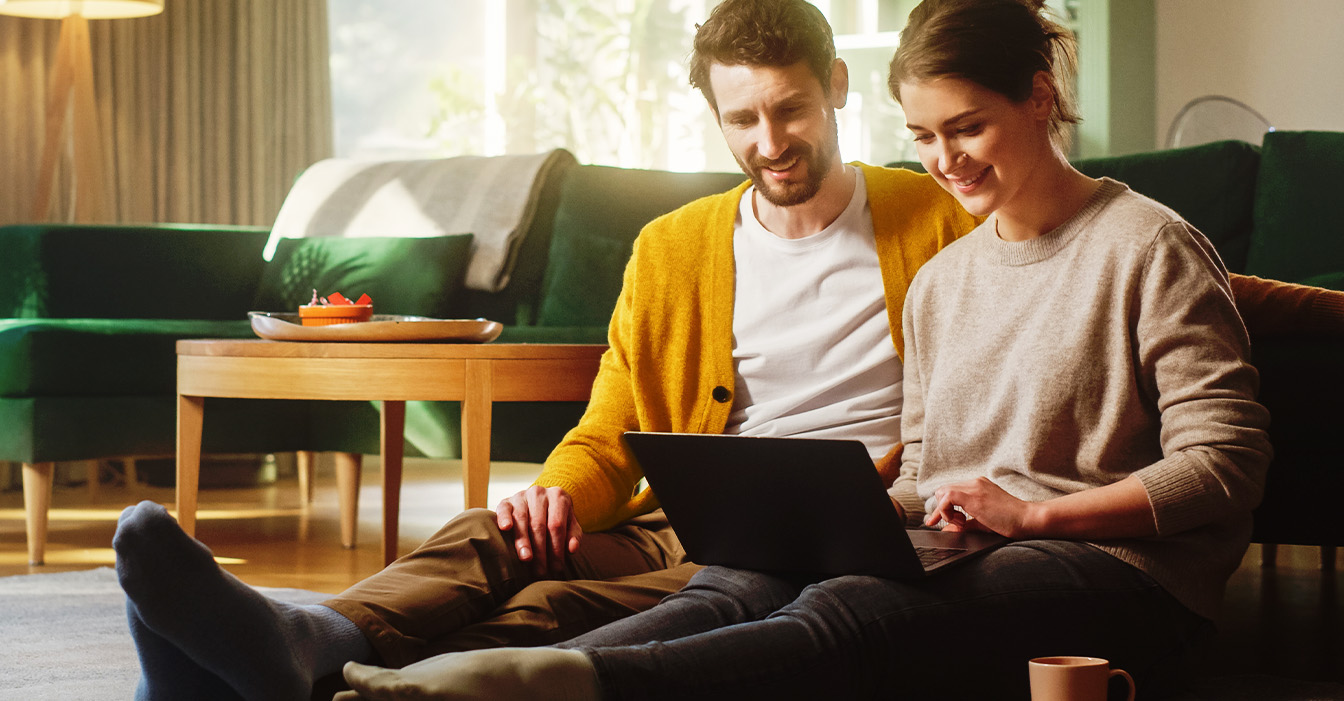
{"x": 1073, "y": 678}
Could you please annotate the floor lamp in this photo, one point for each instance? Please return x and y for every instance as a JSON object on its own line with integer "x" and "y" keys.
{"x": 72, "y": 76}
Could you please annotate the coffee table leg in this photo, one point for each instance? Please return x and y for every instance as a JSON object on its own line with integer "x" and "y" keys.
{"x": 349, "y": 466}
{"x": 393, "y": 448}
{"x": 190, "y": 418}
{"x": 476, "y": 405}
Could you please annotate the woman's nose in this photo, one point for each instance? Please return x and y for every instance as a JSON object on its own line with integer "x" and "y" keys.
{"x": 950, "y": 158}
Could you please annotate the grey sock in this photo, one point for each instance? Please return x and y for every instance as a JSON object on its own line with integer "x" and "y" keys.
{"x": 166, "y": 673}
{"x": 263, "y": 649}
{"x": 498, "y": 673}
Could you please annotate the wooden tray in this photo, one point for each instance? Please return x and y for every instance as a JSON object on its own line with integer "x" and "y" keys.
{"x": 382, "y": 328}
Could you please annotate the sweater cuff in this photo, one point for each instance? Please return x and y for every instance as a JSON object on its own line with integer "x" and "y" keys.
{"x": 903, "y": 491}
{"x": 1182, "y": 495}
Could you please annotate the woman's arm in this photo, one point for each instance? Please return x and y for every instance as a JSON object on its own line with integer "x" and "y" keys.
{"x": 1119, "y": 510}
{"x": 1191, "y": 362}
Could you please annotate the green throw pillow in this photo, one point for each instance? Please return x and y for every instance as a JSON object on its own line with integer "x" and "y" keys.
{"x": 415, "y": 276}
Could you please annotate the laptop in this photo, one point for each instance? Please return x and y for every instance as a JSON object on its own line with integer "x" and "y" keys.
{"x": 791, "y": 506}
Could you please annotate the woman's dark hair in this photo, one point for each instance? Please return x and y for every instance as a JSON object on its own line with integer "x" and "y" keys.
{"x": 762, "y": 33}
{"x": 998, "y": 44}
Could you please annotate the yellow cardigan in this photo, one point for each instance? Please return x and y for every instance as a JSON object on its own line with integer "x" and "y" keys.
{"x": 670, "y": 364}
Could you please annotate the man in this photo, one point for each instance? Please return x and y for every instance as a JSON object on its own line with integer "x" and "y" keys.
{"x": 771, "y": 309}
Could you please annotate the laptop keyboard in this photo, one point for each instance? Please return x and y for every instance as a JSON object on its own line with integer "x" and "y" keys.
{"x": 931, "y": 556}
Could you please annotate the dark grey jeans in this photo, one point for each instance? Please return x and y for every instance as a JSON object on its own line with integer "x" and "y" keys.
{"x": 963, "y": 634}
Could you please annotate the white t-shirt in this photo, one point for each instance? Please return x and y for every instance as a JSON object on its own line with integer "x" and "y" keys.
{"x": 812, "y": 348}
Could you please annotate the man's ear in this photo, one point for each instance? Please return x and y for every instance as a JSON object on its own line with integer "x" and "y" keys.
{"x": 839, "y": 93}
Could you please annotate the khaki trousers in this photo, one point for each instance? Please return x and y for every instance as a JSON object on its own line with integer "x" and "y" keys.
{"x": 465, "y": 588}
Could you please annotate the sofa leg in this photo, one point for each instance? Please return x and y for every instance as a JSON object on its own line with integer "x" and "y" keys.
{"x": 37, "y": 507}
{"x": 1328, "y": 559}
{"x": 1269, "y": 555}
{"x": 348, "y": 467}
{"x": 305, "y": 461}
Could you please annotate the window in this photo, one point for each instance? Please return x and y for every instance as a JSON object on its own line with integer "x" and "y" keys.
{"x": 605, "y": 79}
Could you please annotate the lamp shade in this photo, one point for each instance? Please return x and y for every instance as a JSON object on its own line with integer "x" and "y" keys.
{"x": 90, "y": 9}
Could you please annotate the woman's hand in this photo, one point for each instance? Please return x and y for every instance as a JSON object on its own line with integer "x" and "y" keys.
{"x": 981, "y": 505}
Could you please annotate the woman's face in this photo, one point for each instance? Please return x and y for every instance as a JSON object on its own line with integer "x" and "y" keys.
{"x": 979, "y": 145}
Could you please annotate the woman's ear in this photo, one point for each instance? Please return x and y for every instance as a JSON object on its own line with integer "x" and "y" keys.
{"x": 839, "y": 92}
{"x": 1042, "y": 95}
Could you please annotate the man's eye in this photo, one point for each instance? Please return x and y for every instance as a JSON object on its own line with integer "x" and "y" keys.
{"x": 923, "y": 138}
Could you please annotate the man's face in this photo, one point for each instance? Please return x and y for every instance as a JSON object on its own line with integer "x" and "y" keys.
{"x": 780, "y": 125}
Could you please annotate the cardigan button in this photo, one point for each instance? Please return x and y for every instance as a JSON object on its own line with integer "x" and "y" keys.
{"x": 721, "y": 394}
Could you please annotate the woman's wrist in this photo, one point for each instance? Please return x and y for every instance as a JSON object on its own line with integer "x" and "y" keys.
{"x": 1036, "y": 520}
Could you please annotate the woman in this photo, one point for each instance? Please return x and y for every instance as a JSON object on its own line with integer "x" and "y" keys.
{"x": 1076, "y": 378}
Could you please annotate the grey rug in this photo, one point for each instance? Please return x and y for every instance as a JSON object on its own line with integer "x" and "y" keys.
{"x": 63, "y": 636}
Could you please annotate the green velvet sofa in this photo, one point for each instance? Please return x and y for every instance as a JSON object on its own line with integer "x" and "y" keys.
{"x": 87, "y": 365}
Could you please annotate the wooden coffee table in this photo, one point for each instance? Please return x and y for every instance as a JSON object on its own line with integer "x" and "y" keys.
{"x": 475, "y": 374}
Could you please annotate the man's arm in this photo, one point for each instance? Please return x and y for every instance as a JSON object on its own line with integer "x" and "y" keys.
{"x": 589, "y": 474}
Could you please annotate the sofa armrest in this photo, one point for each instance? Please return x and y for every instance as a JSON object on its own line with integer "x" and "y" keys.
{"x": 1302, "y": 386}
{"x": 1273, "y": 309}
{"x": 161, "y": 271}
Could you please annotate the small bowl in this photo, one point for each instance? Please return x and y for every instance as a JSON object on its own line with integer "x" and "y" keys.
{"x": 318, "y": 315}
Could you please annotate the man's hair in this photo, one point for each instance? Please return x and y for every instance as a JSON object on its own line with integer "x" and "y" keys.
{"x": 775, "y": 33}
{"x": 999, "y": 44}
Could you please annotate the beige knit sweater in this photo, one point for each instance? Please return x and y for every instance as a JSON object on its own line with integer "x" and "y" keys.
{"x": 1108, "y": 347}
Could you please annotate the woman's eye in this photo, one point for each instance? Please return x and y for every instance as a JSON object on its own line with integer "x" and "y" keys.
{"x": 923, "y": 138}
{"x": 970, "y": 130}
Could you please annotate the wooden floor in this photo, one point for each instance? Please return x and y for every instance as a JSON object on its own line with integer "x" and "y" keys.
{"x": 264, "y": 535}
{"x": 1287, "y": 621}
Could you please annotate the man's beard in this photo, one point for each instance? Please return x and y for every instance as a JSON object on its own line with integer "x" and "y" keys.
{"x": 817, "y": 162}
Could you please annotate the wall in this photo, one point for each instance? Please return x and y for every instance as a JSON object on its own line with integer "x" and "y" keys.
{"x": 1282, "y": 57}
{"x": 1115, "y": 83}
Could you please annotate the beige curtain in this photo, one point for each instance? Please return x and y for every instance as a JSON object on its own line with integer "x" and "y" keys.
{"x": 207, "y": 111}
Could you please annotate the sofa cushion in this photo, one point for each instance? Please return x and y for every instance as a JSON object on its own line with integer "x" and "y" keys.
{"x": 1296, "y": 233}
{"x": 162, "y": 271}
{"x": 99, "y": 357}
{"x": 417, "y": 276}
{"x": 40, "y": 429}
{"x": 1211, "y": 186}
{"x": 1330, "y": 281}
{"x": 602, "y": 210}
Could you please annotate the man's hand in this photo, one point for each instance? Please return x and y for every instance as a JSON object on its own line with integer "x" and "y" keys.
{"x": 545, "y": 530}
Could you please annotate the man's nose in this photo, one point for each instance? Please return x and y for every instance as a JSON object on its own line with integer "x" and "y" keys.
{"x": 773, "y": 140}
